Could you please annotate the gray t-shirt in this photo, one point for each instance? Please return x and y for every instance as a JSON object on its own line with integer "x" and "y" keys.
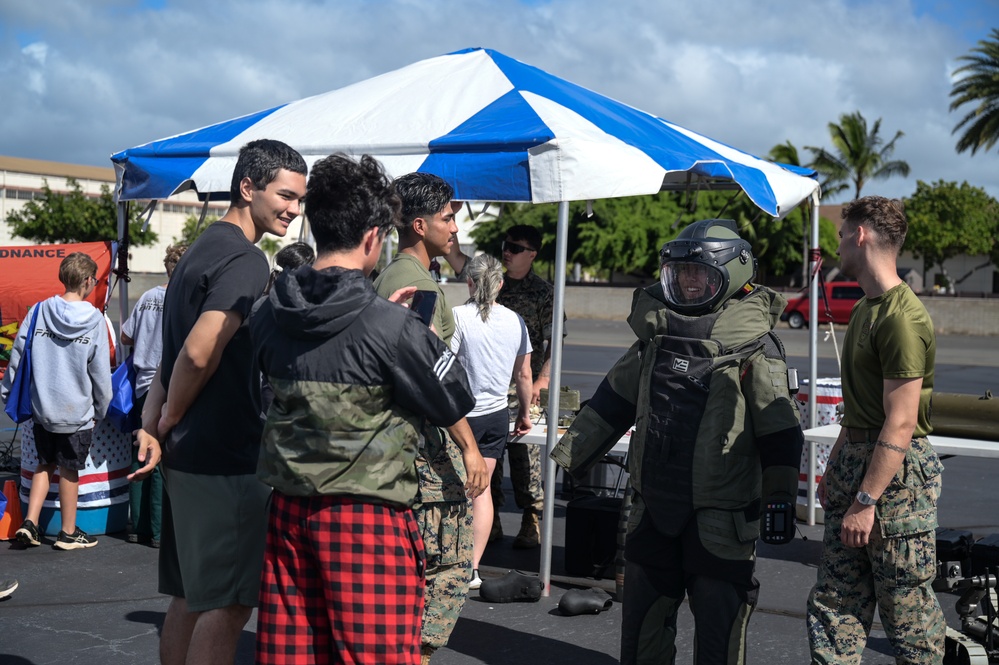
{"x": 145, "y": 327}
{"x": 488, "y": 350}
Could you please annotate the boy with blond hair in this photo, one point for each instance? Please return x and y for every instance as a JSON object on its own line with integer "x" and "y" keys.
{"x": 70, "y": 390}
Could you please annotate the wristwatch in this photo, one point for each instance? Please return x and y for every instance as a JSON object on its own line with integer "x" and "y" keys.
{"x": 866, "y": 499}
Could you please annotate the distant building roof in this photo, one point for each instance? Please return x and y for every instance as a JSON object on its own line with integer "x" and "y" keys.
{"x": 833, "y": 212}
{"x": 61, "y": 169}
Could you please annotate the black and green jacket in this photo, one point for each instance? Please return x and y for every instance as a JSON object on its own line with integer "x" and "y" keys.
{"x": 353, "y": 376}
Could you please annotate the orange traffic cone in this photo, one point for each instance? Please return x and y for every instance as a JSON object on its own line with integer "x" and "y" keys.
{"x": 11, "y": 520}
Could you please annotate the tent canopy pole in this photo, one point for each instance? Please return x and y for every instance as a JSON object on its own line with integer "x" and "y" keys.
{"x": 554, "y": 388}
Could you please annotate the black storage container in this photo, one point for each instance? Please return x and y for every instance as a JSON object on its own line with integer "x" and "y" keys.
{"x": 985, "y": 554}
{"x": 591, "y": 536}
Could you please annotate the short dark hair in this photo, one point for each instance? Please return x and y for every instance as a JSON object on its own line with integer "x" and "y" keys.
{"x": 885, "y": 216}
{"x": 345, "y": 198}
{"x": 423, "y": 195}
{"x": 294, "y": 255}
{"x": 260, "y": 161}
{"x": 525, "y": 234}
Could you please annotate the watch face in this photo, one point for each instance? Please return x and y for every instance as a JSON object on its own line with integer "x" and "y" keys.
{"x": 865, "y": 499}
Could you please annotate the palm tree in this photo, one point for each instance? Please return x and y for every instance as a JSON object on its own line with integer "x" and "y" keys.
{"x": 787, "y": 153}
{"x": 861, "y": 155}
{"x": 979, "y": 87}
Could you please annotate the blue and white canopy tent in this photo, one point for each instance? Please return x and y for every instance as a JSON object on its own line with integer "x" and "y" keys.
{"x": 497, "y": 130}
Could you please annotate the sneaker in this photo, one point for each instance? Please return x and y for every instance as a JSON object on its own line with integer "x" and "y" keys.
{"x": 7, "y": 587}
{"x": 476, "y": 580}
{"x": 28, "y": 534}
{"x": 77, "y": 541}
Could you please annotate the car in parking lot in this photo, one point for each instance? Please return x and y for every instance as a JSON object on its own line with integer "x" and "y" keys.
{"x": 841, "y": 297}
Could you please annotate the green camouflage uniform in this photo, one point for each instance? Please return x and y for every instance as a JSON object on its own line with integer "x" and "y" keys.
{"x": 894, "y": 571}
{"x": 888, "y": 336}
{"x": 533, "y": 299}
{"x": 444, "y": 513}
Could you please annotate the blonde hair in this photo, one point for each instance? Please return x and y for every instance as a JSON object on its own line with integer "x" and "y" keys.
{"x": 75, "y": 269}
{"x": 173, "y": 254}
{"x": 486, "y": 274}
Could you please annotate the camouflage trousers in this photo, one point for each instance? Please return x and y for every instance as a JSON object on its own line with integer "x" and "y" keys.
{"x": 525, "y": 475}
{"x": 894, "y": 572}
{"x": 446, "y": 528}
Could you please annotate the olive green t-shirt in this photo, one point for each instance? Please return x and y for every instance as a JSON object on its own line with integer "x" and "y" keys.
{"x": 406, "y": 270}
{"x": 889, "y": 337}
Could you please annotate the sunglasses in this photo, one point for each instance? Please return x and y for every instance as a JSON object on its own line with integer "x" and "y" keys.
{"x": 514, "y": 248}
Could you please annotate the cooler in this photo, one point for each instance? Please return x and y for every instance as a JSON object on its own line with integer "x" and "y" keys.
{"x": 103, "y": 499}
{"x": 829, "y": 394}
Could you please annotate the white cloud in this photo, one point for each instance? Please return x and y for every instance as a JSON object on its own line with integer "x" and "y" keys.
{"x": 83, "y": 80}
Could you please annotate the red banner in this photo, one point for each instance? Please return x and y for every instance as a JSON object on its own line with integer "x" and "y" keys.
{"x": 30, "y": 273}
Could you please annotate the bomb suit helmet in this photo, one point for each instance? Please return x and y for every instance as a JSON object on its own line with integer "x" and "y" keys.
{"x": 704, "y": 266}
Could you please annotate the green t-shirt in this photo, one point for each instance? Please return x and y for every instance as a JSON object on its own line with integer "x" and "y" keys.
{"x": 889, "y": 337}
{"x": 406, "y": 270}
{"x": 439, "y": 464}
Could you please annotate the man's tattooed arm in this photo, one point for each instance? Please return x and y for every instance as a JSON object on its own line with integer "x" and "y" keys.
{"x": 892, "y": 446}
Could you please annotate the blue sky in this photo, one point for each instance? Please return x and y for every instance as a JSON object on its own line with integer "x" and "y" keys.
{"x": 83, "y": 80}
{"x": 971, "y": 20}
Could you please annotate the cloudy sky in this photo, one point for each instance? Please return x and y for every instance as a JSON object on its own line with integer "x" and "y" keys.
{"x": 81, "y": 79}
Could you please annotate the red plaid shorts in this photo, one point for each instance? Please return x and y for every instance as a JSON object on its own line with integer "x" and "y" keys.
{"x": 342, "y": 583}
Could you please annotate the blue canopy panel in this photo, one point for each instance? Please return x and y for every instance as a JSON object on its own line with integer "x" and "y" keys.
{"x": 485, "y": 158}
{"x": 799, "y": 170}
{"x": 672, "y": 150}
{"x": 753, "y": 182}
{"x": 147, "y": 175}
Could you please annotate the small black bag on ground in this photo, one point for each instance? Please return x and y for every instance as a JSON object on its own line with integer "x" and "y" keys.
{"x": 514, "y": 587}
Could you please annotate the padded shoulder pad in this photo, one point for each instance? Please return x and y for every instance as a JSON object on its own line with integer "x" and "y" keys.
{"x": 773, "y": 347}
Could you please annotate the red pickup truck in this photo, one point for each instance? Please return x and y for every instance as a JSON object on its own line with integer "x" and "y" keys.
{"x": 841, "y": 296}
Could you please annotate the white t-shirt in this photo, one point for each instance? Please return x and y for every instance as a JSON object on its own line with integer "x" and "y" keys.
{"x": 145, "y": 327}
{"x": 488, "y": 351}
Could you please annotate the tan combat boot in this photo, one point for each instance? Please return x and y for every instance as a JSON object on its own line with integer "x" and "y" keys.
{"x": 496, "y": 532}
{"x": 530, "y": 532}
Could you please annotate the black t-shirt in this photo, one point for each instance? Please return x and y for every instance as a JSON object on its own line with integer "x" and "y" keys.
{"x": 220, "y": 433}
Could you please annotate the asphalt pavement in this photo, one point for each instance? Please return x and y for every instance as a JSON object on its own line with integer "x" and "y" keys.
{"x": 101, "y": 606}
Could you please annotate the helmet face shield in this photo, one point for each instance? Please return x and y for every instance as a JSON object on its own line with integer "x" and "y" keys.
{"x": 691, "y": 285}
{"x": 705, "y": 265}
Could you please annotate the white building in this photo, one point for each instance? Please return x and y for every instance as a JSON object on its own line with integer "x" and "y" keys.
{"x": 22, "y": 180}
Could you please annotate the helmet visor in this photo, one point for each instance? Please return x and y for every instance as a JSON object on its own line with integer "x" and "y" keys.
{"x": 690, "y": 283}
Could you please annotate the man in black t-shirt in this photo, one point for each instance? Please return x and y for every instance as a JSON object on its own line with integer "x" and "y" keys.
{"x": 204, "y": 405}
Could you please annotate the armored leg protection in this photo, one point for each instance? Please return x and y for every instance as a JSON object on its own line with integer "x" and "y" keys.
{"x": 721, "y": 616}
{"x": 648, "y": 624}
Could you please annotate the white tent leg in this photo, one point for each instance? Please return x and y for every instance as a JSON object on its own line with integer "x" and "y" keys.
{"x": 554, "y": 388}
{"x": 122, "y": 283}
{"x": 813, "y": 348}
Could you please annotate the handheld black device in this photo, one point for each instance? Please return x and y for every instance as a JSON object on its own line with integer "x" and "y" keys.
{"x": 423, "y": 304}
{"x": 777, "y": 522}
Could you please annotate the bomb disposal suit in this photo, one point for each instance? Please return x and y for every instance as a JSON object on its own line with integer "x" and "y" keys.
{"x": 715, "y": 450}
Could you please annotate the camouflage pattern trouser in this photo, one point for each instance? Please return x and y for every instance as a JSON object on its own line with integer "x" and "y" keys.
{"x": 525, "y": 475}
{"x": 894, "y": 571}
{"x": 447, "y": 537}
